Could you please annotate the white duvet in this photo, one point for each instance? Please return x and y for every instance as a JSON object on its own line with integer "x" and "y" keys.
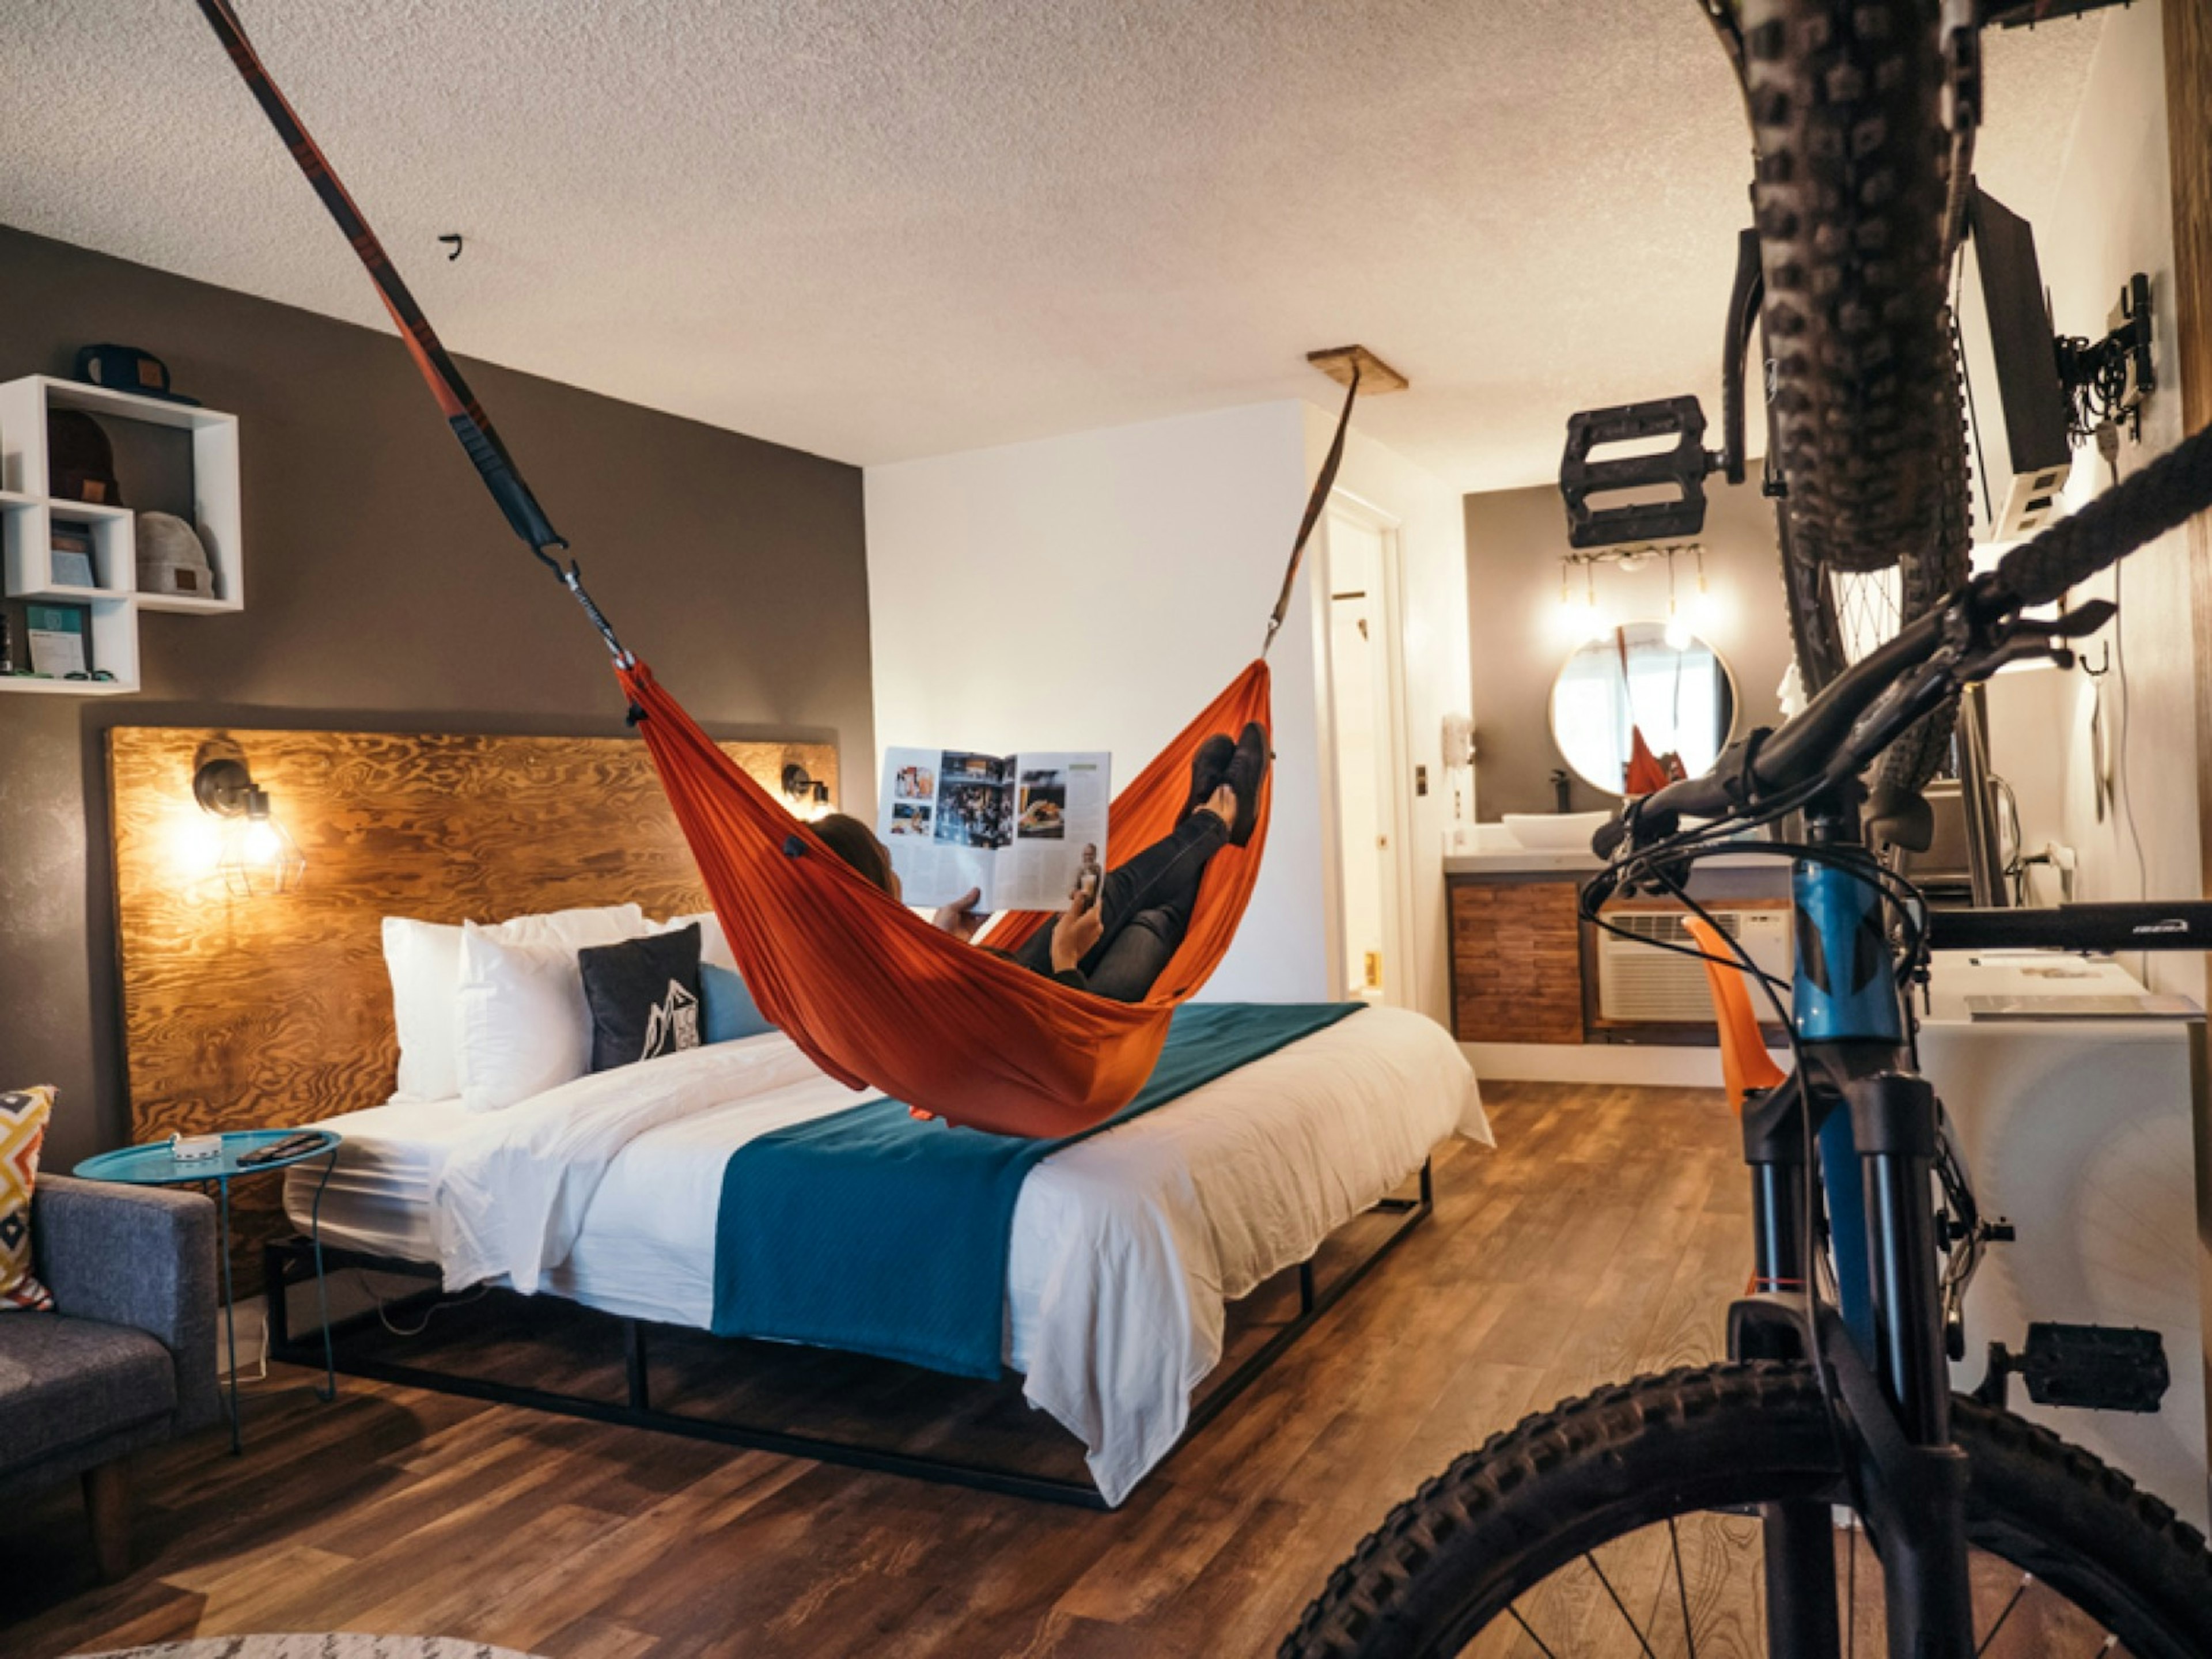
{"x": 1126, "y": 1248}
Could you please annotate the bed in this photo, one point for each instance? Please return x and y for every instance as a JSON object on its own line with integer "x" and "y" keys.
{"x": 1125, "y": 1246}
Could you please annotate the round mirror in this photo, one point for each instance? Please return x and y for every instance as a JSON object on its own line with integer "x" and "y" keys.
{"x": 1631, "y": 680}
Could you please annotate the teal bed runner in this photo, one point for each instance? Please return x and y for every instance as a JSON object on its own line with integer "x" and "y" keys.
{"x": 877, "y": 1232}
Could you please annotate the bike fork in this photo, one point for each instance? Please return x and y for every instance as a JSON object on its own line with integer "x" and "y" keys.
{"x": 1909, "y": 1479}
{"x": 1917, "y": 1480}
{"x": 1798, "y": 1538}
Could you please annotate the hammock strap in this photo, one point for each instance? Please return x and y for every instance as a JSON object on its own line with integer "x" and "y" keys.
{"x": 1315, "y": 503}
{"x": 462, "y": 410}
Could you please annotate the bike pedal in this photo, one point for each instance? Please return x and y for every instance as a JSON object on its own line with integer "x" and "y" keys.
{"x": 2103, "y": 1368}
{"x": 1680, "y": 469}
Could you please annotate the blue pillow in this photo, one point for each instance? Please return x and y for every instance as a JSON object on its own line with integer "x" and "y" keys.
{"x": 731, "y": 1011}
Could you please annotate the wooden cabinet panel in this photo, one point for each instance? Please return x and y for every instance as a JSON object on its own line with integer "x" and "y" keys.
{"x": 1516, "y": 962}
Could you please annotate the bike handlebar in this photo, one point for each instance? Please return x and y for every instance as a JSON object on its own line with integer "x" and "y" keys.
{"x": 2163, "y": 494}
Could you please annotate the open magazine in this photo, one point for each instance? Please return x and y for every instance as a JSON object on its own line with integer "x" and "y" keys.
{"x": 1023, "y": 830}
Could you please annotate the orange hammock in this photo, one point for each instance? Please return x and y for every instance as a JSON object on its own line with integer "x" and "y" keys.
{"x": 877, "y": 996}
{"x": 873, "y": 994}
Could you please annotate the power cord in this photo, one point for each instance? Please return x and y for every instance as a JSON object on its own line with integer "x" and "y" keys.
{"x": 2108, "y": 447}
{"x": 384, "y": 1307}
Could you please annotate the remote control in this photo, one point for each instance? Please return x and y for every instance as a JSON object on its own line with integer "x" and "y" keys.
{"x": 290, "y": 1146}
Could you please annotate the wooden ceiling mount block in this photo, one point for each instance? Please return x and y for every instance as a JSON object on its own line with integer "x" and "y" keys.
{"x": 1376, "y": 377}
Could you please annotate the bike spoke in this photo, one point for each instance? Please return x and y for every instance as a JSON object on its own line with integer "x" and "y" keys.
{"x": 1682, "y": 1587}
{"x": 1544, "y": 1646}
{"x": 1622, "y": 1605}
{"x": 2005, "y": 1612}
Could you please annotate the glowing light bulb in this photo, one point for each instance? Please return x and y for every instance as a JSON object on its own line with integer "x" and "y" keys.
{"x": 262, "y": 844}
{"x": 1678, "y": 635}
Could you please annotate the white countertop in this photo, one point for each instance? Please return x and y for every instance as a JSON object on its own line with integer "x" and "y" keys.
{"x": 1521, "y": 861}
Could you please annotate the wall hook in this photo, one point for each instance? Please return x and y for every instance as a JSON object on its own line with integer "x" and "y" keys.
{"x": 2104, "y": 662}
{"x": 453, "y": 242}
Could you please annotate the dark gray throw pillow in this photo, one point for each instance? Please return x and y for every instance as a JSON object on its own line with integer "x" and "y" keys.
{"x": 644, "y": 997}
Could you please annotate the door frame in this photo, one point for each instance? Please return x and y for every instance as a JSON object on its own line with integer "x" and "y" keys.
{"x": 1401, "y": 973}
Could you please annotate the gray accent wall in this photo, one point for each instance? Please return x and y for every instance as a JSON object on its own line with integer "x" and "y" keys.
{"x": 1515, "y": 538}
{"x": 384, "y": 591}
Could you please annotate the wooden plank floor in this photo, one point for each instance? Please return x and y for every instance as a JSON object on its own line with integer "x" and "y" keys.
{"x": 1603, "y": 1237}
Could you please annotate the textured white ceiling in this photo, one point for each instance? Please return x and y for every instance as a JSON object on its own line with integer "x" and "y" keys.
{"x": 878, "y": 230}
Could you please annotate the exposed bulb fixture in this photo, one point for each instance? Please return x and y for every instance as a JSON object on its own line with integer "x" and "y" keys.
{"x": 255, "y": 855}
{"x": 1581, "y": 618}
{"x": 806, "y": 795}
{"x": 1679, "y": 633}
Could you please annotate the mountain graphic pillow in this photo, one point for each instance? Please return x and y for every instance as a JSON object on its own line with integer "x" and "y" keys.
{"x": 644, "y": 997}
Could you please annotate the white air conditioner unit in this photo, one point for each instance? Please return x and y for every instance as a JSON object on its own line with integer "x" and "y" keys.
{"x": 1640, "y": 983}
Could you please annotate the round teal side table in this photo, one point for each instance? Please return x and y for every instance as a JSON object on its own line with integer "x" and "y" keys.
{"x": 155, "y": 1165}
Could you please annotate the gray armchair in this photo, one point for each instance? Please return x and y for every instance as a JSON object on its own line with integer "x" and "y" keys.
{"x": 127, "y": 1359}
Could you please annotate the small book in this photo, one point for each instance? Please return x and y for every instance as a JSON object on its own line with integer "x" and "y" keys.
{"x": 59, "y": 640}
{"x": 1023, "y": 831}
{"x": 71, "y": 558}
{"x": 72, "y": 569}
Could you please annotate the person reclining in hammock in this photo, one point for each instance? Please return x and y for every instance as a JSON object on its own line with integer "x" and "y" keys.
{"x": 1114, "y": 946}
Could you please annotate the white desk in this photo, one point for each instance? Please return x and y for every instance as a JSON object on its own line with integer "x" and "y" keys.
{"x": 2081, "y": 1132}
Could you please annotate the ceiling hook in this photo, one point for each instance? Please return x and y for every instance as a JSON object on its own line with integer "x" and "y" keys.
{"x": 453, "y": 240}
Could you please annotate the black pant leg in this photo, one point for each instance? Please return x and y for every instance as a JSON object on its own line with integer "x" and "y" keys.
{"x": 1164, "y": 877}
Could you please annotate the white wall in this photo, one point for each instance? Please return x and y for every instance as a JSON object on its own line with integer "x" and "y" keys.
{"x": 2112, "y": 215}
{"x": 1095, "y": 591}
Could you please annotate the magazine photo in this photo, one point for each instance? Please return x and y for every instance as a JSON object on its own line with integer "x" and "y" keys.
{"x": 1025, "y": 831}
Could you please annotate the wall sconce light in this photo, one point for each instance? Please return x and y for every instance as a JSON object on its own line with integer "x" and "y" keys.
{"x": 807, "y": 796}
{"x": 258, "y": 855}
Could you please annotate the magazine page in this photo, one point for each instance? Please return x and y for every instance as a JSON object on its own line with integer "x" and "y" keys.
{"x": 1058, "y": 803}
{"x": 945, "y": 813}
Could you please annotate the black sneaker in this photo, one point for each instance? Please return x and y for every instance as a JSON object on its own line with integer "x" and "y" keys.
{"x": 1207, "y": 768}
{"x": 1247, "y": 770}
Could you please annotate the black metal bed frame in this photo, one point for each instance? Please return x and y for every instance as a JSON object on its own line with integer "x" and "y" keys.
{"x": 292, "y": 1261}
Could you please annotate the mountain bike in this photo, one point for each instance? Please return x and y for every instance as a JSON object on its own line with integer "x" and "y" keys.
{"x": 1609, "y": 1524}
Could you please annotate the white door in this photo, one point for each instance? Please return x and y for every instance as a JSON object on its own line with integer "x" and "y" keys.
{"x": 1362, "y": 699}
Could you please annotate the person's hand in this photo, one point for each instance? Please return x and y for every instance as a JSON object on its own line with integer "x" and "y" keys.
{"x": 959, "y": 918}
{"x": 1080, "y": 928}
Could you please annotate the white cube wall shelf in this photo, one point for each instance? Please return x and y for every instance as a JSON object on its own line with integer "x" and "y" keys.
{"x": 28, "y": 512}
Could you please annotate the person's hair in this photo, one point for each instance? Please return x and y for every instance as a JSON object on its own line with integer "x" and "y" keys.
{"x": 854, "y": 843}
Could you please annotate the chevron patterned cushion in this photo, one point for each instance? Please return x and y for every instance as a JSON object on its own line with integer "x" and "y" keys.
{"x": 23, "y": 1115}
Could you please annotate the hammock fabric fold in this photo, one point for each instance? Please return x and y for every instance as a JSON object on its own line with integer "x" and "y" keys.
{"x": 879, "y": 998}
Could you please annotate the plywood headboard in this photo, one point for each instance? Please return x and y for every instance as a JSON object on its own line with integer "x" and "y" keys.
{"x": 242, "y": 1013}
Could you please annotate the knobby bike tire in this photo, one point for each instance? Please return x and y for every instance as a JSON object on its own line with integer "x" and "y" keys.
{"x": 1848, "y": 199}
{"x": 1865, "y": 423}
{"x": 1452, "y": 1559}
{"x": 1926, "y": 577}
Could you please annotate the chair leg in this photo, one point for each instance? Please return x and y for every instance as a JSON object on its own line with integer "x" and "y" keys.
{"x": 107, "y": 1502}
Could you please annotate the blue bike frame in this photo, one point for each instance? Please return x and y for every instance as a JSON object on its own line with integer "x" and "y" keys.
{"x": 1845, "y": 990}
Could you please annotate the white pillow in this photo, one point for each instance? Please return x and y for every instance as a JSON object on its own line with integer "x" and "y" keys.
{"x": 714, "y": 944}
{"x": 522, "y": 1021}
{"x": 424, "y": 960}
